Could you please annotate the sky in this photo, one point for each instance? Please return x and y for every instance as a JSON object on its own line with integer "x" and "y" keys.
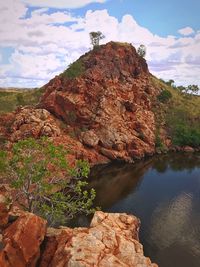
{"x": 40, "y": 38}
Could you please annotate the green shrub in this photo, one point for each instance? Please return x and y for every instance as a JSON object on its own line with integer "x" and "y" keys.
{"x": 158, "y": 141}
{"x": 160, "y": 146}
{"x": 75, "y": 70}
{"x": 45, "y": 184}
{"x": 20, "y": 99}
{"x": 186, "y": 135}
{"x": 164, "y": 96}
{"x": 11, "y": 99}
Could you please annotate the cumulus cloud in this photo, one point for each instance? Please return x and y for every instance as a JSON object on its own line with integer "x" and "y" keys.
{"x": 61, "y": 4}
{"x": 46, "y": 42}
{"x": 186, "y": 31}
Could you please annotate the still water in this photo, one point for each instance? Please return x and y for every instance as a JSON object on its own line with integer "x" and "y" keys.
{"x": 164, "y": 192}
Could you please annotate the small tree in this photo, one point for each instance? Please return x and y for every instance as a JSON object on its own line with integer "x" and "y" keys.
{"x": 190, "y": 89}
{"x": 194, "y": 89}
{"x": 181, "y": 89}
{"x": 95, "y": 38}
{"x": 164, "y": 96}
{"x": 170, "y": 83}
{"x": 141, "y": 50}
{"x": 45, "y": 183}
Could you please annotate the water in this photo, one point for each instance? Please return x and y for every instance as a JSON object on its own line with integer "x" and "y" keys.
{"x": 164, "y": 192}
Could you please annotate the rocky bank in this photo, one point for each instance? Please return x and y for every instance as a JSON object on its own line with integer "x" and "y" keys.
{"x": 110, "y": 241}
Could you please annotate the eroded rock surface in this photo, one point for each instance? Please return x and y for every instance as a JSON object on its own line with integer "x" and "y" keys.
{"x": 111, "y": 241}
{"x": 22, "y": 240}
{"x": 5, "y": 204}
{"x": 106, "y": 109}
{"x": 31, "y": 122}
{"x": 110, "y": 103}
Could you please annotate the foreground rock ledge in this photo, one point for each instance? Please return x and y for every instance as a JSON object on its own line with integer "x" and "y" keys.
{"x": 110, "y": 241}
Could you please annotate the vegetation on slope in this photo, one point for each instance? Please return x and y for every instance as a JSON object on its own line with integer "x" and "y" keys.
{"x": 10, "y": 99}
{"x": 178, "y": 113}
{"x": 74, "y": 70}
{"x": 44, "y": 182}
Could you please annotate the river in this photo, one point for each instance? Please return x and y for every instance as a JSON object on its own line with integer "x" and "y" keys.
{"x": 164, "y": 192}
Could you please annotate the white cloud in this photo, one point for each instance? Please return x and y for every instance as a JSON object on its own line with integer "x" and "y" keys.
{"x": 45, "y": 43}
{"x": 62, "y": 4}
{"x": 186, "y": 31}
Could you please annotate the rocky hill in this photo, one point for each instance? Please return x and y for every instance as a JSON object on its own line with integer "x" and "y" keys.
{"x": 101, "y": 106}
{"x": 107, "y": 106}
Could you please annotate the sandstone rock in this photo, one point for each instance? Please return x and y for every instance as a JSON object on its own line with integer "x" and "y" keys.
{"x": 30, "y": 122}
{"x": 178, "y": 148}
{"x": 5, "y": 204}
{"x": 49, "y": 247}
{"x": 22, "y": 241}
{"x": 90, "y": 138}
{"x": 111, "y": 241}
{"x": 188, "y": 149}
{"x": 109, "y": 153}
{"x": 111, "y": 98}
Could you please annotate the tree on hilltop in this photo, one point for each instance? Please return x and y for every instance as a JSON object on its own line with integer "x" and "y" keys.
{"x": 141, "y": 50}
{"x": 95, "y": 38}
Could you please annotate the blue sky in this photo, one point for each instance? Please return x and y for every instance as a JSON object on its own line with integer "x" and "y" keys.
{"x": 160, "y": 17}
{"x": 38, "y": 39}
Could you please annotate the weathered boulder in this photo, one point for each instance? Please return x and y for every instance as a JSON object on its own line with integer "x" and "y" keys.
{"x": 111, "y": 241}
{"x": 22, "y": 240}
{"x": 90, "y": 138}
{"x": 31, "y": 122}
{"x": 188, "y": 149}
{"x": 5, "y": 204}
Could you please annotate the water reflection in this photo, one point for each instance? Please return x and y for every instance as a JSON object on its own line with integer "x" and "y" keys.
{"x": 114, "y": 181}
{"x": 164, "y": 192}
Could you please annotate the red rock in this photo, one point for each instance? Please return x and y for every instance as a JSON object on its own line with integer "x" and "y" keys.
{"x": 49, "y": 247}
{"x": 90, "y": 138}
{"x": 110, "y": 99}
{"x": 31, "y": 122}
{"x": 111, "y": 241}
{"x": 188, "y": 149}
{"x": 5, "y": 204}
{"x": 22, "y": 241}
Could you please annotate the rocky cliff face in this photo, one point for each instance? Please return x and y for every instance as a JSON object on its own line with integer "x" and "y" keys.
{"x": 101, "y": 106}
{"x": 109, "y": 102}
{"x": 110, "y": 241}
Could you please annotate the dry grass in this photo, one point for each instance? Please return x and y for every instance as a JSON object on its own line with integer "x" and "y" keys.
{"x": 11, "y": 98}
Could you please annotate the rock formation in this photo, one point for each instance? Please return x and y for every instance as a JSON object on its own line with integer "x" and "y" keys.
{"x": 33, "y": 122}
{"x": 101, "y": 108}
{"x": 110, "y": 241}
{"x": 110, "y": 102}
{"x": 105, "y": 111}
{"x": 22, "y": 240}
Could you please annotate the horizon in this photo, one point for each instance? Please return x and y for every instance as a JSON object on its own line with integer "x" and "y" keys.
{"x": 38, "y": 40}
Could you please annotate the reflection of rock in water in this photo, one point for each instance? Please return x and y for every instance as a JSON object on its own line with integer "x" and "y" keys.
{"x": 173, "y": 224}
{"x": 175, "y": 162}
{"x": 114, "y": 182}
